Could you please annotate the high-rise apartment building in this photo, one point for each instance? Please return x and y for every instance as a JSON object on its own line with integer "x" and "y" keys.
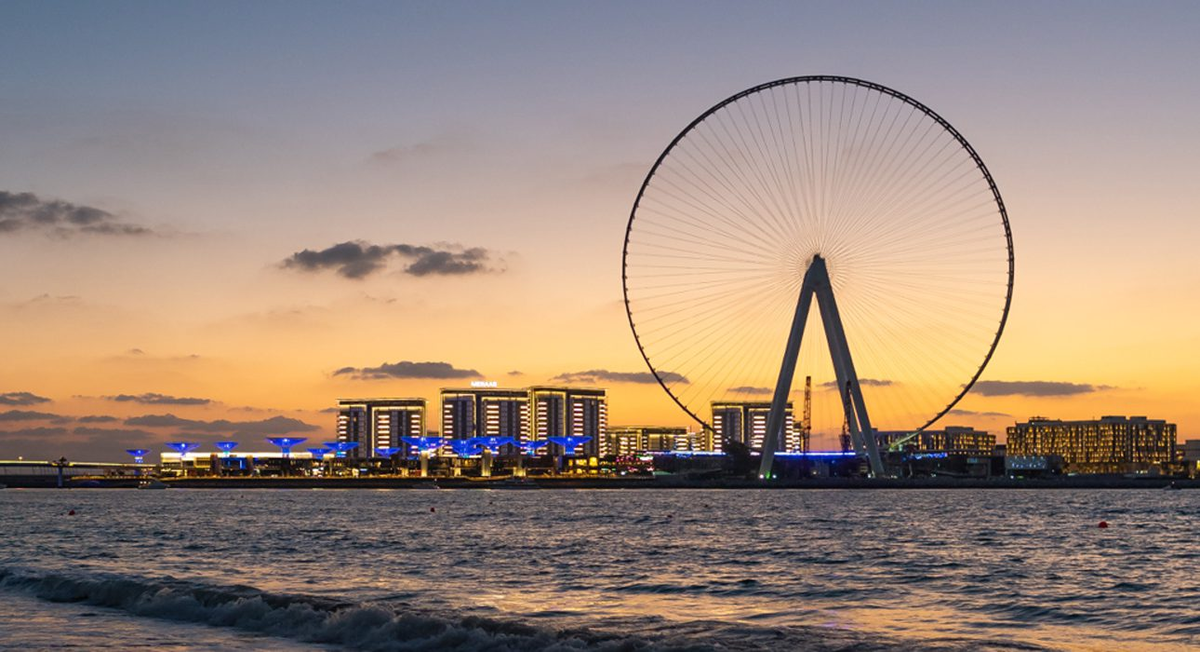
{"x": 486, "y": 412}
{"x": 379, "y": 422}
{"x": 746, "y": 422}
{"x": 1112, "y": 444}
{"x": 572, "y": 412}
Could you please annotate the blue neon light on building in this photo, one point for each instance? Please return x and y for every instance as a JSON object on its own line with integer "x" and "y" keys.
{"x": 139, "y": 455}
{"x": 183, "y": 447}
{"x": 226, "y": 446}
{"x": 285, "y": 444}
{"x": 493, "y": 444}
{"x": 424, "y": 444}
{"x": 569, "y": 444}
{"x": 340, "y": 448}
{"x": 531, "y": 446}
{"x": 463, "y": 447}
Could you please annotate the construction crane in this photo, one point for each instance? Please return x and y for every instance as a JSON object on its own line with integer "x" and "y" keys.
{"x": 806, "y": 423}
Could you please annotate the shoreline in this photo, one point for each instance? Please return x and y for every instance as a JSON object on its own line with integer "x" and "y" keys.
{"x": 660, "y": 482}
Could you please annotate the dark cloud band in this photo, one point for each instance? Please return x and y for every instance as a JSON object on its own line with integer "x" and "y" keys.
{"x": 153, "y": 398}
{"x": 1033, "y": 388}
{"x": 25, "y": 211}
{"x": 358, "y": 259}
{"x": 406, "y": 369}
{"x": 605, "y": 376}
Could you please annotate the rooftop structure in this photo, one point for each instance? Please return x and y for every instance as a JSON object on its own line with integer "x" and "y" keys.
{"x": 226, "y": 446}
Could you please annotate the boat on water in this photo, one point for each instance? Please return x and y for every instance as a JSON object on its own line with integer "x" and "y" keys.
{"x": 151, "y": 483}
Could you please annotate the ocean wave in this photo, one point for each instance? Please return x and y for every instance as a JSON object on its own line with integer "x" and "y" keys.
{"x": 310, "y": 619}
{"x": 388, "y": 627}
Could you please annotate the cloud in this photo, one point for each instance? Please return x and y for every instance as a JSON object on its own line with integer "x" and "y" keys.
{"x": 273, "y": 426}
{"x": 972, "y": 413}
{"x": 421, "y": 151}
{"x": 25, "y": 211}
{"x": 606, "y": 376}
{"x": 358, "y": 259}
{"x": 747, "y": 389}
{"x": 116, "y": 436}
{"x": 32, "y": 435}
{"x": 1033, "y": 388}
{"x": 97, "y": 418}
{"x": 515, "y": 372}
{"x": 406, "y": 369}
{"x": 30, "y": 415}
{"x": 22, "y": 398}
{"x": 862, "y": 382}
{"x": 153, "y": 398}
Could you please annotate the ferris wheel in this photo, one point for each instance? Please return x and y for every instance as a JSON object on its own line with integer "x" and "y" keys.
{"x": 819, "y": 204}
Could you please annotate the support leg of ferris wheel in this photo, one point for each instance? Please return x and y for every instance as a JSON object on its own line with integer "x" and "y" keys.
{"x": 816, "y": 282}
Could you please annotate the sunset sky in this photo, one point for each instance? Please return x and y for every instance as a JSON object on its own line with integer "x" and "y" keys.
{"x": 174, "y": 178}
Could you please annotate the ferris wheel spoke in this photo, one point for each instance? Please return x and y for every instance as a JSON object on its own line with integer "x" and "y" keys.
{"x": 897, "y": 206}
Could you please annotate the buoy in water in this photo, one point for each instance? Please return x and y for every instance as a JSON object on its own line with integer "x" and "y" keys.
{"x": 432, "y": 509}
{"x": 71, "y": 513}
{"x": 1103, "y": 524}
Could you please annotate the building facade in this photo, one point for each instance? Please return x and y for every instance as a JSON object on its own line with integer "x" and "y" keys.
{"x": 486, "y": 412}
{"x": 746, "y": 422}
{"x": 379, "y": 422}
{"x": 953, "y": 439}
{"x": 634, "y": 440}
{"x": 572, "y": 412}
{"x": 1112, "y": 444}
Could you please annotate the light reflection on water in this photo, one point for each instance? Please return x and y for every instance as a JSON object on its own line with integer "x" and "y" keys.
{"x": 739, "y": 569}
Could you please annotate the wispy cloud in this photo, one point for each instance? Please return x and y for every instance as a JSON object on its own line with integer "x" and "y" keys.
{"x": 972, "y": 413}
{"x": 862, "y": 382}
{"x": 357, "y": 259}
{"x": 22, "y": 398}
{"x": 154, "y": 398}
{"x": 272, "y": 426}
{"x": 407, "y": 369}
{"x": 748, "y": 389}
{"x": 593, "y": 376}
{"x": 32, "y": 415}
{"x": 25, "y": 211}
{"x": 1035, "y": 388}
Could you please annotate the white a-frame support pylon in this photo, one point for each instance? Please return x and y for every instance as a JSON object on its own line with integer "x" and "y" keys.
{"x": 816, "y": 283}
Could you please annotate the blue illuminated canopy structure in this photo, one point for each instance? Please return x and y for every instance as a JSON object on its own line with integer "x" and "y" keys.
{"x": 463, "y": 447}
{"x": 226, "y": 446}
{"x": 139, "y": 455}
{"x": 388, "y": 451}
{"x": 317, "y": 453}
{"x": 340, "y": 448}
{"x": 285, "y": 444}
{"x": 493, "y": 444}
{"x": 183, "y": 447}
{"x": 569, "y": 444}
{"x": 424, "y": 444}
{"x": 531, "y": 446}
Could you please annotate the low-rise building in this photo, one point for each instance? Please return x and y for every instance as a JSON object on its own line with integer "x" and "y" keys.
{"x": 1111, "y": 444}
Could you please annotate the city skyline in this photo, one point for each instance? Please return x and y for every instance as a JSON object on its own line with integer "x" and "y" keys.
{"x": 195, "y": 247}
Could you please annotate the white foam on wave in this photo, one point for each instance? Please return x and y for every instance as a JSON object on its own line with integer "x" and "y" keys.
{"x": 304, "y": 618}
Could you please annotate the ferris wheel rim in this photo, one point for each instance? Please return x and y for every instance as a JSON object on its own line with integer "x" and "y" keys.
{"x": 854, "y": 81}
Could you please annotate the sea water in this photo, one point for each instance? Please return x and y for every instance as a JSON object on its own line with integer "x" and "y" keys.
{"x": 638, "y": 569}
